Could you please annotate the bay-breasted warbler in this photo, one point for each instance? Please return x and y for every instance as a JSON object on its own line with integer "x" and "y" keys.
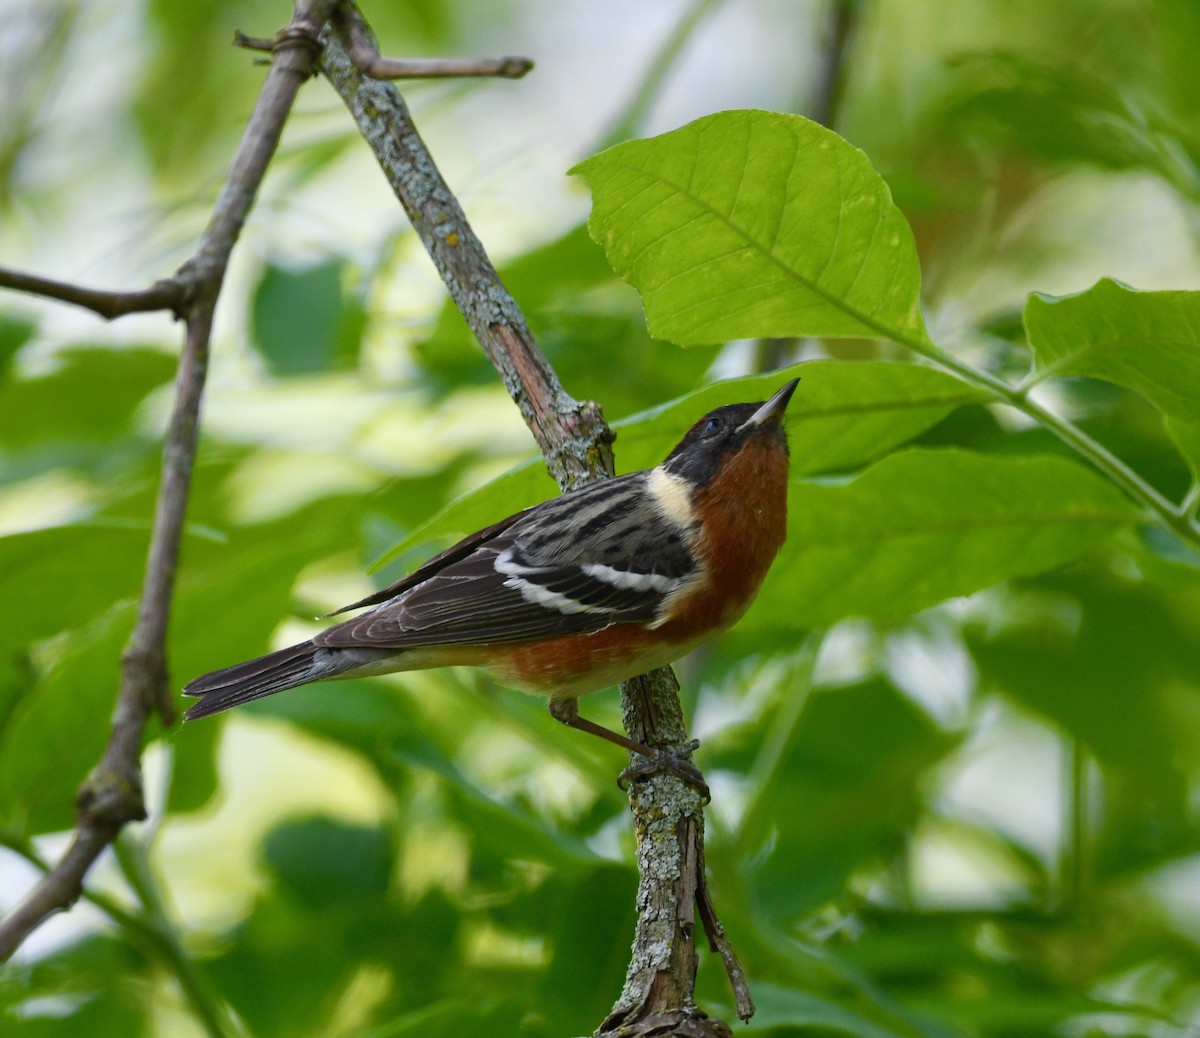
{"x": 601, "y": 584}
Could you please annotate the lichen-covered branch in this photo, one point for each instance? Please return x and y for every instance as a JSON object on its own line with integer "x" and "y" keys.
{"x": 667, "y": 817}
{"x": 572, "y": 435}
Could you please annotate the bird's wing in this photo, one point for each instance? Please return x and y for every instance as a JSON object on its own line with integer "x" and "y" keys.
{"x": 455, "y": 553}
{"x": 601, "y": 555}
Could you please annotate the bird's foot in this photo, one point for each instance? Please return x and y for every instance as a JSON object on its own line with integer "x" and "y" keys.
{"x": 664, "y": 763}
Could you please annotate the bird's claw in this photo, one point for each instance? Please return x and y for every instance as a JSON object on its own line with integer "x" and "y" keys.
{"x": 675, "y": 764}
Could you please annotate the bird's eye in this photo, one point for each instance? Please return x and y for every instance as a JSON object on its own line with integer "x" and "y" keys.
{"x": 713, "y": 426}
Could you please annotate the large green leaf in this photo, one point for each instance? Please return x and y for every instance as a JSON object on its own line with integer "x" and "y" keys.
{"x": 852, "y": 791}
{"x": 589, "y": 920}
{"x": 1111, "y": 662}
{"x": 753, "y": 223}
{"x": 924, "y": 525}
{"x": 324, "y": 862}
{"x": 843, "y": 414}
{"x": 525, "y": 485}
{"x": 1145, "y": 341}
{"x": 65, "y": 576}
{"x": 1061, "y": 113}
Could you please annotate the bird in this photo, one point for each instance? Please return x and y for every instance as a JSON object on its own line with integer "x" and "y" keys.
{"x": 601, "y": 584}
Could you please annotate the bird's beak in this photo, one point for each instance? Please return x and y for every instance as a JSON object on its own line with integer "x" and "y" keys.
{"x": 773, "y": 408}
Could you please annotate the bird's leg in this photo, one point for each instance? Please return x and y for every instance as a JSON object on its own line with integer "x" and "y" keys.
{"x": 566, "y": 710}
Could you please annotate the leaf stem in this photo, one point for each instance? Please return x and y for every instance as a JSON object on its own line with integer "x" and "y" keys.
{"x": 1177, "y": 518}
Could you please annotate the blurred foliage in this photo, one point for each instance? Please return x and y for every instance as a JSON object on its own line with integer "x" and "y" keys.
{"x": 303, "y": 322}
{"x": 955, "y": 745}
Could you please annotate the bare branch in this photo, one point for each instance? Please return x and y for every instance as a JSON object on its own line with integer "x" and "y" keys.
{"x": 378, "y": 67}
{"x": 363, "y": 52}
{"x": 370, "y": 62}
{"x": 575, "y": 440}
{"x": 112, "y": 795}
{"x": 167, "y": 294}
{"x": 668, "y": 822}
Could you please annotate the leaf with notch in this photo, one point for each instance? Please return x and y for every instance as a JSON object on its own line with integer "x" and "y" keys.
{"x": 752, "y": 223}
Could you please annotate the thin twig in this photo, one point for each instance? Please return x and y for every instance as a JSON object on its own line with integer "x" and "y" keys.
{"x": 361, "y": 48}
{"x": 719, "y": 942}
{"x": 259, "y": 43}
{"x": 111, "y": 796}
{"x": 378, "y": 67}
{"x": 575, "y": 440}
{"x": 370, "y": 62}
{"x": 167, "y": 294}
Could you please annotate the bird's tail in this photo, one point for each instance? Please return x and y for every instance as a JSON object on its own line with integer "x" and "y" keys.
{"x": 253, "y": 679}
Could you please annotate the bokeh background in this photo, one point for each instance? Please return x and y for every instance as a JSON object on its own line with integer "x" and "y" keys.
{"x": 981, "y": 819}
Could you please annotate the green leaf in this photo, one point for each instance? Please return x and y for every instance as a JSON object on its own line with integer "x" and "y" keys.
{"x": 14, "y": 333}
{"x": 322, "y": 861}
{"x": 852, "y": 791}
{"x": 65, "y": 576}
{"x": 456, "y": 1016}
{"x": 1060, "y": 113}
{"x": 844, "y": 414}
{"x": 751, "y": 223}
{"x": 924, "y": 525}
{"x": 526, "y": 485}
{"x": 1145, "y": 341}
{"x": 91, "y": 394}
{"x": 1104, "y": 659}
{"x": 57, "y": 730}
{"x": 778, "y": 1007}
{"x": 304, "y": 322}
{"x": 1187, "y": 438}
{"x": 95, "y": 985}
{"x": 592, "y": 918}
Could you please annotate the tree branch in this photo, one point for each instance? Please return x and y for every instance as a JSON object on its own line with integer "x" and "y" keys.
{"x": 667, "y": 817}
{"x": 111, "y": 797}
{"x": 370, "y": 62}
{"x": 162, "y": 295}
{"x": 573, "y": 436}
{"x": 361, "y": 48}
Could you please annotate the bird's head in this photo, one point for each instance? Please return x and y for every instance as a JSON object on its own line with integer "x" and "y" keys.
{"x": 728, "y": 431}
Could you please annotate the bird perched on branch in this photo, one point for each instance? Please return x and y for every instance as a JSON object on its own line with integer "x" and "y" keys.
{"x": 601, "y": 584}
